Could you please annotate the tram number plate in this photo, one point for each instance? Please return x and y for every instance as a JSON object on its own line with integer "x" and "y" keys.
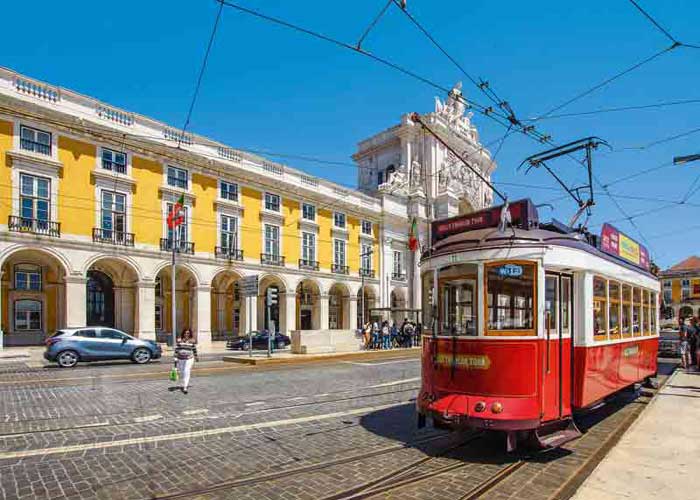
{"x": 510, "y": 271}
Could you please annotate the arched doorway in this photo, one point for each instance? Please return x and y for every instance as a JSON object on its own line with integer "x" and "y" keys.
{"x": 368, "y": 302}
{"x": 685, "y": 312}
{"x": 308, "y": 295}
{"x": 227, "y": 306}
{"x": 33, "y": 297}
{"x": 99, "y": 300}
{"x": 272, "y": 307}
{"x": 185, "y": 300}
{"x": 398, "y": 303}
{"x": 338, "y": 297}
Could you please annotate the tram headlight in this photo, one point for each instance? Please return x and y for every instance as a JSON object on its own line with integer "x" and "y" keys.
{"x": 497, "y": 407}
{"x": 480, "y": 406}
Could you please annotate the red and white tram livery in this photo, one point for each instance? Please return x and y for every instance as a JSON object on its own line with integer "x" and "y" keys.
{"x": 526, "y": 324}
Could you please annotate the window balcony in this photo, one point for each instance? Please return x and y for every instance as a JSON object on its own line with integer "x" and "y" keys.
{"x": 119, "y": 168}
{"x": 228, "y": 253}
{"x": 367, "y": 273}
{"x": 35, "y": 147}
{"x": 166, "y": 245}
{"x": 270, "y": 259}
{"x": 113, "y": 237}
{"x": 309, "y": 265}
{"x": 340, "y": 269}
{"x": 34, "y": 226}
{"x": 398, "y": 276}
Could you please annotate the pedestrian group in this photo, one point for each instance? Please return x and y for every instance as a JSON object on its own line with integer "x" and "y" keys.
{"x": 390, "y": 336}
{"x": 690, "y": 343}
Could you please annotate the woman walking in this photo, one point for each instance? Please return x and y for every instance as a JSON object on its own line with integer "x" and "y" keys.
{"x": 684, "y": 345}
{"x": 185, "y": 356}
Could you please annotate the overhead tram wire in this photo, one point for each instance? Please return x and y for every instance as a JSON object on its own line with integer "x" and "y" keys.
{"x": 487, "y": 111}
{"x": 660, "y": 28}
{"x": 618, "y": 109}
{"x": 373, "y": 23}
{"x": 201, "y": 73}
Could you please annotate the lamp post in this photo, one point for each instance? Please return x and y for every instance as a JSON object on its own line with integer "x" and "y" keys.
{"x": 362, "y": 285}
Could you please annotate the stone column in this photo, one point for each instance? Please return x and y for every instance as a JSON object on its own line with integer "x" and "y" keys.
{"x": 203, "y": 315}
{"x": 290, "y": 312}
{"x": 146, "y": 306}
{"x": 324, "y": 302}
{"x": 352, "y": 311}
{"x": 76, "y": 296}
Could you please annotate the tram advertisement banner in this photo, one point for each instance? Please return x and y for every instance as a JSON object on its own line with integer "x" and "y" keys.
{"x": 522, "y": 214}
{"x": 620, "y": 245}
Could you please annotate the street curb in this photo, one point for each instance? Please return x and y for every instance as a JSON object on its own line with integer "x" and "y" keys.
{"x": 306, "y": 358}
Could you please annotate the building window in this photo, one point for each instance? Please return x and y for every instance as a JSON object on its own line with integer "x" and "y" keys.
{"x": 380, "y": 177}
{"x": 27, "y": 315}
{"x": 510, "y": 293}
{"x": 339, "y": 252}
{"x": 272, "y": 202}
{"x": 367, "y": 227}
{"x": 366, "y": 257}
{"x": 177, "y": 177}
{"x": 159, "y": 317}
{"x": 159, "y": 289}
{"x": 272, "y": 240}
{"x": 308, "y": 247}
{"x": 685, "y": 289}
{"x": 308, "y": 212}
{"x": 397, "y": 269}
{"x": 181, "y": 230}
{"x": 113, "y": 214}
{"x": 35, "y": 198}
{"x": 36, "y": 141}
{"x": 339, "y": 220}
{"x": 229, "y": 232}
{"x": 27, "y": 277}
{"x": 229, "y": 191}
{"x": 114, "y": 160}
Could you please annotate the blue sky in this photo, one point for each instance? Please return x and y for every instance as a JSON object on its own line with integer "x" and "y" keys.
{"x": 271, "y": 89}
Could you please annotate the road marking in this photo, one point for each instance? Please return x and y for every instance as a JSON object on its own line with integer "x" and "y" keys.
{"x": 255, "y": 403}
{"x": 359, "y": 363}
{"x": 20, "y": 434}
{"x": 192, "y": 434}
{"x": 148, "y": 418}
{"x": 396, "y": 382}
{"x": 295, "y": 399}
{"x": 195, "y": 412}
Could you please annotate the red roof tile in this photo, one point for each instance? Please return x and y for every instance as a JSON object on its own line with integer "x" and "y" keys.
{"x": 691, "y": 263}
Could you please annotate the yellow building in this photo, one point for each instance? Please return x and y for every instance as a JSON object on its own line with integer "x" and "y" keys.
{"x": 681, "y": 289}
{"x": 86, "y": 189}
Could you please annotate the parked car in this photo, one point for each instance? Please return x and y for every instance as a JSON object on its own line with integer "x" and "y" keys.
{"x": 279, "y": 341}
{"x": 70, "y": 345}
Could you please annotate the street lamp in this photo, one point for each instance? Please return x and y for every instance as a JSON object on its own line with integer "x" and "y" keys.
{"x": 680, "y": 160}
{"x": 362, "y": 286}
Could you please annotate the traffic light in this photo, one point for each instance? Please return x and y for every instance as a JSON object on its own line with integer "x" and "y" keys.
{"x": 272, "y": 296}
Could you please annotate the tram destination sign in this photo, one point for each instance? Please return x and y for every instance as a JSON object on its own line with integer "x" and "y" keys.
{"x": 523, "y": 214}
{"x": 618, "y": 244}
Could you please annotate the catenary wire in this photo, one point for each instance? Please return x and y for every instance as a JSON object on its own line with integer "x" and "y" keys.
{"x": 618, "y": 109}
{"x": 654, "y": 22}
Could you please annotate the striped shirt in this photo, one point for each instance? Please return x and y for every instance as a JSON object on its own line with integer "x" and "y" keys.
{"x": 185, "y": 349}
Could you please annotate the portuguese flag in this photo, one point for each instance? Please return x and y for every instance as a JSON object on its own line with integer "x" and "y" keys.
{"x": 176, "y": 216}
{"x": 413, "y": 236}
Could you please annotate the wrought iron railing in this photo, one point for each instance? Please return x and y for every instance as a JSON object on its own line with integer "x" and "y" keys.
{"x": 310, "y": 265}
{"x": 367, "y": 273}
{"x": 228, "y": 253}
{"x": 340, "y": 269}
{"x": 166, "y": 245}
{"x": 34, "y": 226}
{"x": 398, "y": 276}
{"x": 271, "y": 259}
{"x": 120, "y": 168}
{"x": 100, "y": 235}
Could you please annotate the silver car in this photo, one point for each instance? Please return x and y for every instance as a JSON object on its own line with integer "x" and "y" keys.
{"x": 95, "y": 343}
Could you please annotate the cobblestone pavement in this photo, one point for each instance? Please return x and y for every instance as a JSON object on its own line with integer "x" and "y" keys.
{"x": 307, "y": 432}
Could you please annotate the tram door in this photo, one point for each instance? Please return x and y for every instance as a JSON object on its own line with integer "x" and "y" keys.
{"x": 557, "y": 346}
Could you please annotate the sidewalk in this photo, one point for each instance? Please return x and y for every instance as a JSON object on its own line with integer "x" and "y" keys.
{"x": 659, "y": 456}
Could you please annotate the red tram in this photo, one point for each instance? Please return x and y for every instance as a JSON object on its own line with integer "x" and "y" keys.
{"x": 530, "y": 323}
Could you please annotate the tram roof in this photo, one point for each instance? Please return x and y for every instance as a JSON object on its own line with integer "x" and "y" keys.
{"x": 514, "y": 237}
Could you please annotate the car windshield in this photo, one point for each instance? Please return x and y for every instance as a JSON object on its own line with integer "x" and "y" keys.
{"x": 58, "y": 332}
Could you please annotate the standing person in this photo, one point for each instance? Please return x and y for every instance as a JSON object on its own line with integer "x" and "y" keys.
{"x": 693, "y": 341}
{"x": 375, "y": 335}
{"x": 386, "y": 335}
{"x": 185, "y": 356}
{"x": 417, "y": 335}
{"x": 684, "y": 346}
{"x": 367, "y": 333}
{"x": 408, "y": 332}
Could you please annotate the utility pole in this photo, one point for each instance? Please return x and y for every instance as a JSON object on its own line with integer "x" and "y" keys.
{"x": 173, "y": 313}
{"x": 362, "y": 286}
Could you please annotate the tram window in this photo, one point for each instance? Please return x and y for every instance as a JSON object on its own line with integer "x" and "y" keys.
{"x": 600, "y": 309}
{"x": 614, "y": 309}
{"x": 427, "y": 297}
{"x": 637, "y": 311}
{"x": 566, "y": 306}
{"x": 510, "y": 292}
{"x": 653, "y": 314}
{"x": 551, "y": 305}
{"x": 646, "y": 322}
{"x": 457, "y": 299}
{"x": 626, "y": 316}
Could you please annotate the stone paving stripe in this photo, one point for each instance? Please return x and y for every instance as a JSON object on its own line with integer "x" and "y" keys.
{"x": 194, "y": 434}
{"x": 389, "y": 384}
{"x": 255, "y": 403}
{"x": 195, "y": 412}
{"x": 358, "y": 363}
{"x": 147, "y": 418}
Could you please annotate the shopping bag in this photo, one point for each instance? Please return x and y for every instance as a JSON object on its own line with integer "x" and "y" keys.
{"x": 173, "y": 374}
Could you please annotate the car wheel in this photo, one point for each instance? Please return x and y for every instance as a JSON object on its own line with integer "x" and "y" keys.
{"x": 280, "y": 344}
{"x": 141, "y": 356}
{"x": 67, "y": 359}
{"x": 244, "y": 346}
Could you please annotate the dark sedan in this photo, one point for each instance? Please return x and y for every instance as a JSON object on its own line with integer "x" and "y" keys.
{"x": 260, "y": 339}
